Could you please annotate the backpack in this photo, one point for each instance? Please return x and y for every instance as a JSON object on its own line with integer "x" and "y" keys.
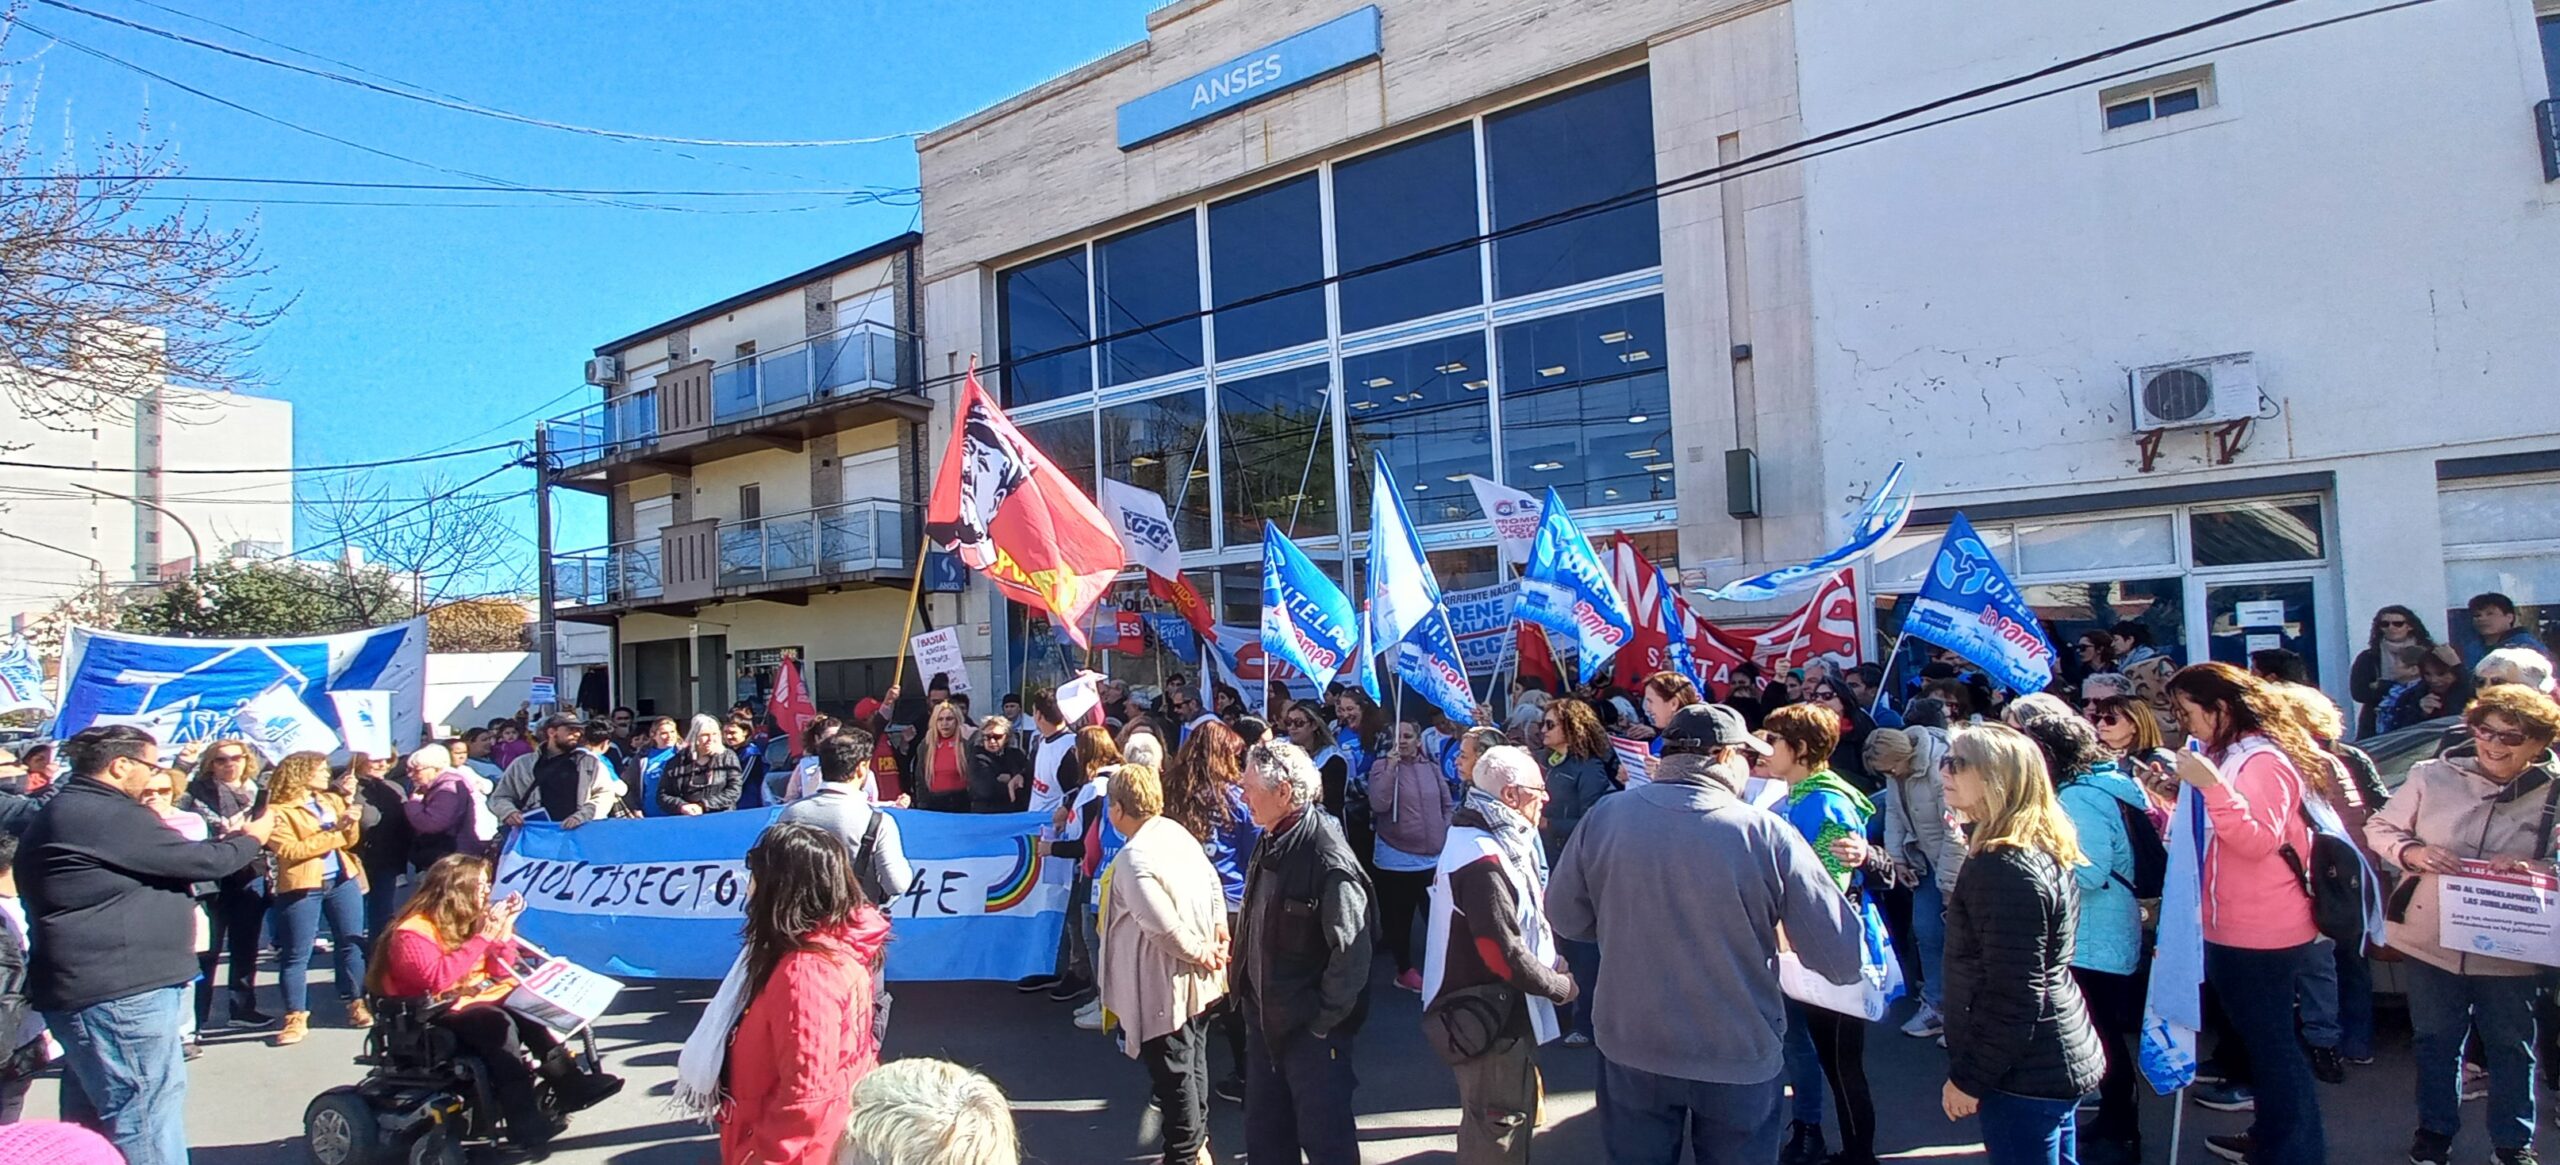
{"x": 2342, "y": 889}
{"x": 2150, "y": 854}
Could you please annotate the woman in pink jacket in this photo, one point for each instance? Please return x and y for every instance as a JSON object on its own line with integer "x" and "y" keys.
{"x": 2256, "y": 768}
{"x": 805, "y": 1037}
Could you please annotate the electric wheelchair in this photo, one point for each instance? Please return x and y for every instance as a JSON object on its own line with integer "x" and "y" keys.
{"x": 426, "y": 1099}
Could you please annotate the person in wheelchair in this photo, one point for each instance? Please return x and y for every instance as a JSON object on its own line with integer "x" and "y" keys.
{"x": 452, "y": 946}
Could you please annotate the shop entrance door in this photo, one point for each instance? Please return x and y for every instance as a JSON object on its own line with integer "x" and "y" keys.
{"x": 2242, "y": 617}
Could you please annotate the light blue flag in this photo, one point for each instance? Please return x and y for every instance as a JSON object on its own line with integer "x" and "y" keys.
{"x": 1306, "y": 621}
{"x": 1967, "y": 605}
{"x": 1403, "y": 593}
{"x": 1567, "y": 590}
{"x": 1675, "y": 650}
{"x": 1881, "y": 518}
{"x": 1428, "y": 660}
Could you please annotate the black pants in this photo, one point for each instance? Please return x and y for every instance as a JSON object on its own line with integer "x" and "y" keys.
{"x": 2115, "y": 1009}
{"x": 1400, "y": 897}
{"x": 502, "y": 1040}
{"x": 13, "y": 1098}
{"x": 1178, "y": 1063}
{"x": 1297, "y": 1100}
{"x": 1840, "y": 1041}
{"x": 237, "y": 916}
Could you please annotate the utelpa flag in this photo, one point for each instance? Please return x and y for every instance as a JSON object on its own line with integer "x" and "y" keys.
{"x": 1306, "y": 621}
{"x": 1404, "y": 612}
{"x": 1968, "y": 606}
{"x": 1566, "y": 589}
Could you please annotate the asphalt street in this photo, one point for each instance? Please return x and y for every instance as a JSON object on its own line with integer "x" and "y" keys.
{"x": 1079, "y": 1101}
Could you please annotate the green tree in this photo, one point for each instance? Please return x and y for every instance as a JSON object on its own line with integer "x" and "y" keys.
{"x": 251, "y": 599}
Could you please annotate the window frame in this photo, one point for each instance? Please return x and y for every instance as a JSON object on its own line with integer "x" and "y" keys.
{"x": 2149, "y": 90}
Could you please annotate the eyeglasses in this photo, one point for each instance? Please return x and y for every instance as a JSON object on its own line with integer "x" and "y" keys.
{"x": 2106, "y": 719}
{"x": 1826, "y": 694}
{"x": 160, "y": 791}
{"x": 2510, "y": 739}
{"x": 1300, "y": 722}
{"x": 1551, "y": 722}
{"x": 2393, "y": 622}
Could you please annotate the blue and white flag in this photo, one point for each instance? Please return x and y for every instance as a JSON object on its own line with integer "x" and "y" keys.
{"x": 1675, "y": 622}
{"x": 1881, "y": 518}
{"x": 663, "y": 897}
{"x": 2173, "y": 1010}
{"x": 1306, "y": 621}
{"x": 1175, "y": 633}
{"x": 196, "y": 689}
{"x": 1404, "y": 614}
{"x": 1967, "y": 605}
{"x": 1428, "y": 660}
{"x": 21, "y": 677}
{"x": 1566, "y": 589}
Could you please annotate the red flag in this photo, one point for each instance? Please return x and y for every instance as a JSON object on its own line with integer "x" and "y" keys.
{"x": 1186, "y": 601}
{"x": 1538, "y": 658}
{"x": 1826, "y": 626}
{"x": 1649, "y": 650}
{"x": 791, "y": 706}
{"x": 1002, "y": 507}
{"x": 1129, "y": 633}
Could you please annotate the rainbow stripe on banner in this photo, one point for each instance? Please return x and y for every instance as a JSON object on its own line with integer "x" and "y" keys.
{"x": 1015, "y": 888}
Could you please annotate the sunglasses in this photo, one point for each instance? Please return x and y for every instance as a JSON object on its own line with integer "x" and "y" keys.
{"x": 2487, "y": 735}
{"x": 2394, "y": 622}
{"x": 1949, "y": 765}
{"x": 2105, "y": 719}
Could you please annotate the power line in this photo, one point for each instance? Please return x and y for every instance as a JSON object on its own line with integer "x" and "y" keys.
{"x": 409, "y": 92}
{"x": 510, "y": 445}
{"x": 476, "y": 188}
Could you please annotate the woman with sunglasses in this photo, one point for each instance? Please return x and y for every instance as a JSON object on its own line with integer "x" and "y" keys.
{"x": 2383, "y": 666}
{"x": 2484, "y": 802}
{"x": 1581, "y": 767}
{"x": 997, "y": 770}
{"x": 1849, "y": 758}
{"x": 226, "y": 791}
{"x": 2125, "y": 725}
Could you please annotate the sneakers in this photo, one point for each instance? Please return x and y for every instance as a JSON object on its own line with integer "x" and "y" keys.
{"x": 193, "y": 1048}
{"x": 359, "y": 1016}
{"x": 1031, "y": 983}
{"x": 1804, "y": 1145}
{"x": 2430, "y": 1149}
{"x": 2330, "y": 1067}
{"x": 1925, "y": 1023}
{"x": 297, "y": 1024}
{"x": 1410, "y": 981}
{"x": 2231, "y": 1146}
{"x": 2225, "y": 1097}
{"x": 2514, "y": 1157}
{"x": 1230, "y": 1089}
{"x": 245, "y": 1013}
{"x": 1089, "y": 1016}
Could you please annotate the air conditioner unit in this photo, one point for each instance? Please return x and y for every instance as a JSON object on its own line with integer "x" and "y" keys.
{"x": 2195, "y": 393}
{"x": 603, "y": 370}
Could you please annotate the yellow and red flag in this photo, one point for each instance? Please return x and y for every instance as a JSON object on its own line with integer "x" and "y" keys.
{"x": 1004, "y": 509}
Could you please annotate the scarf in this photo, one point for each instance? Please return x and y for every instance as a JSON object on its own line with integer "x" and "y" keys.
{"x": 1510, "y": 832}
{"x": 2388, "y": 651}
{"x": 700, "y": 1066}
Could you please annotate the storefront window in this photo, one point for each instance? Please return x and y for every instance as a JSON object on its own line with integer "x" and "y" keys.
{"x": 1259, "y": 243}
{"x": 2104, "y": 544}
{"x": 1275, "y": 452}
{"x": 1573, "y": 150}
{"x": 1397, "y": 203}
{"x": 1043, "y": 308}
{"x": 2502, "y": 538}
{"x": 1068, "y": 443}
{"x": 1586, "y": 405}
{"x": 1466, "y": 568}
{"x": 1148, "y": 280}
{"x": 1423, "y": 406}
{"x": 1161, "y": 445}
{"x": 2254, "y": 532}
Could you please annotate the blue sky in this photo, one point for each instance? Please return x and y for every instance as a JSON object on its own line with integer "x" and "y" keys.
{"x": 416, "y": 328}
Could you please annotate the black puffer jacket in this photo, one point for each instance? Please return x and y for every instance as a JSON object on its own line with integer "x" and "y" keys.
{"x": 2015, "y": 1020}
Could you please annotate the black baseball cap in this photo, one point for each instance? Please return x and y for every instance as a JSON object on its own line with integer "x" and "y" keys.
{"x": 562, "y": 720}
{"x": 1704, "y": 728}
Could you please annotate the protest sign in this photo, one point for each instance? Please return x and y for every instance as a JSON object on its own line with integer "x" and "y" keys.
{"x": 1481, "y": 618}
{"x": 364, "y": 722}
{"x": 937, "y": 652}
{"x": 2508, "y": 915}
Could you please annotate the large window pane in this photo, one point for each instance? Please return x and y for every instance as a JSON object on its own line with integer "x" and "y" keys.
{"x": 1275, "y": 450}
{"x": 1904, "y": 559}
{"x": 1161, "y": 445}
{"x": 1586, "y": 405}
{"x": 1258, "y": 244}
{"x": 1068, "y": 443}
{"x": 1401, "y": 202}
{"x": 2256, "y": 532}
{"x": 2105, "y": 544}
{"x": 1043, "y": 308}
{"x": 1149, "y": 279}
{"x": 2520, "y": 512}
{"x": 1573, "y": 150}
{"x": 1424, "y": 407}
{"x": 2551, "y": 55}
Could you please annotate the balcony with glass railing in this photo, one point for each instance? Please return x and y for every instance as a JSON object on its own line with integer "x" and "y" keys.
{"x": 849, "y": 538}
{"x": 713, "y": 559}
{"x": 603, "y": 576}
{"x": 861, "y": 357}
{"x": 622, "y": 426}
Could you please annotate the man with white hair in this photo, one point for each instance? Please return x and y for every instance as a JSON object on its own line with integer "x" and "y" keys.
{"x": 702, "y": 777}
{"x": 1492, "y": 953}
{"x": 928, "y": 1112}
{"x": 1684, "y": 885}
{"x": 1301, "y": 972}
{"x": 2515, "y": 665}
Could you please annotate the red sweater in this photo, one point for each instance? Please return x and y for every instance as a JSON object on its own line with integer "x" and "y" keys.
{"x": 802, "y": 1045}
{"x": 416, "y": 964}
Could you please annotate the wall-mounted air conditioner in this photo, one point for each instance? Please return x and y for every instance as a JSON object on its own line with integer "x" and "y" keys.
{"x": 603, "y": 370}
{"x": 2195, "y": 393}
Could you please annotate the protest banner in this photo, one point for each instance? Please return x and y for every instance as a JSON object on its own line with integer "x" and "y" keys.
{"x": 937, "y": 653}
{"x": 1481, "y": 617}
{"x": 364, "y": 722}
{"x": 2509, "y": 915}
{"x": 662, "y": 898}
{"x": 182, "y": 690}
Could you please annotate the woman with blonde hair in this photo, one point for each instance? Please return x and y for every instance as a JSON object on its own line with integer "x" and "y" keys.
{"x": 317, "y": 879}
{"x": 937, "y": 770}
{"x": 227, "y": 791}
{"x": 1163, "y": 959}
{"x": 2021, "y": 1051}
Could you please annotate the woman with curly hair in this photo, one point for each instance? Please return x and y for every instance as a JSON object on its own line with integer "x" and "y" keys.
{"x": 1203, "y": 796}
{"x": 317, "y": 879}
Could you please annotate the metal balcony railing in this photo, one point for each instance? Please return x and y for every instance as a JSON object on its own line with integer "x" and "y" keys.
{"x": 860, "y": 357}
{"x": 846, "y": 538}
{"x": 619, "y": 573}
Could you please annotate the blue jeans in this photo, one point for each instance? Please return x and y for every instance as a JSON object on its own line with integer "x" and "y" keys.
{"x": 297, "y": 920}
{"x": 1642, "y": 1118}
{"x": 2255, "y": 988}
{"x": 381, "y": 901}
{"x": 2028, "y": 1130}
{"x": 1929, "y": 931}
{"x": 1804, "y": 1070}
{"x": 1583, "y": 959}
{"x": 125, "y": 1073}
{"x": 2443, "y": 1006}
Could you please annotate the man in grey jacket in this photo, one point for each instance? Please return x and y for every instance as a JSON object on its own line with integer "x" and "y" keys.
{"x": 1685, "y": 886}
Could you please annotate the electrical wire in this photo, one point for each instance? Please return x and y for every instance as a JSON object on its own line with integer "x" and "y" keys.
{"x": 476, "y": 188}
{"x": 517, "y": 446}
{"x": 408, "y": 92}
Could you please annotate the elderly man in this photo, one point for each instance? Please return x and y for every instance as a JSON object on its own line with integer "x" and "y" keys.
{"x": 1684, "y": 886}
{"x": 1301, "y": 972}
{"x": 1492, "y": 952}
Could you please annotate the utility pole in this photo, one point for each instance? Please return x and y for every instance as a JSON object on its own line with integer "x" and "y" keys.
{"x": 546, "y": 627}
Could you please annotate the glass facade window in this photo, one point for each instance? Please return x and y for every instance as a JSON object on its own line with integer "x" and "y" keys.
{"x": 1259, "y": 243}
{"x": 1042, "y": 308}
{"x": 2550, "y": 28}
{"x": 1572, "y": 150}
{"x": 1399, "y": 202}
{"x": 1275, "y": 453}
{"x": 1148, "y": 281}
{"x": 1424, "y": 407}
{"x": 2254, "y": 532}
{"x": 1161, "y": 445}
{"x": 2150, "y": 540}
{"x": 1068, "y": 443}
{"x": 1586, "y": 405}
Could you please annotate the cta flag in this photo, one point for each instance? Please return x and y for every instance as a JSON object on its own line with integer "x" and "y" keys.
{"x": 1147, "y": 535}
{"x": 1566, "y": 590}
{"x": 1514, "y": 514}
{"x": 1967, "y": 605}
{"x": 1881, "y": 518}
{"x": 1306, "y": 621}
{"x": 1002, "y": 507}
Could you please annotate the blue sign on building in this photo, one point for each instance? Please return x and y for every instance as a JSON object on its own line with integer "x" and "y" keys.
{"x": 1262, "y": 73}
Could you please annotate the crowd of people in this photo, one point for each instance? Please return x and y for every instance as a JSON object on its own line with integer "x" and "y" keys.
{"x": 1721, "y": 892}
